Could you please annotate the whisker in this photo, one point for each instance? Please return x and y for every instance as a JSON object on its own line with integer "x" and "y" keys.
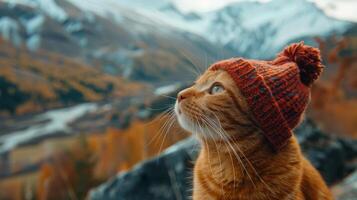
{"x": 206, "y": 145}
{"x": 219, "y": 157}
{"x": 168, "y": 106}
{"x": 161, "y": 115}
{"x": 248, "y": 161}
{"x": 167, "y": 96}
{"x": 230, "y": 156}
{"x": 198, "y": 72}
{"x": 166, "y": 132}
{"x": 221, "y": 131}
{"x": 159, "y": 132}
{"x": 209, "y": 123}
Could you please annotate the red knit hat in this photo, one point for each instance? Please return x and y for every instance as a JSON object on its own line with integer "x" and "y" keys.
{"x": 277, "y": 91}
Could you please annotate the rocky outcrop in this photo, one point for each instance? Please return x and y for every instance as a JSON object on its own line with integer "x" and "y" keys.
{"x": 164, "y": 177}
{"x": 332, "y": 156}
{"x": 347, "y": 189}
{"x": 168, "y": 176}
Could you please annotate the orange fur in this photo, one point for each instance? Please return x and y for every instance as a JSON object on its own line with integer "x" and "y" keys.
{"x": 236, "y": 161}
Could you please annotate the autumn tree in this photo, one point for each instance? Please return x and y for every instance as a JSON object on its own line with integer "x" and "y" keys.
{"x": 68, "y": 174}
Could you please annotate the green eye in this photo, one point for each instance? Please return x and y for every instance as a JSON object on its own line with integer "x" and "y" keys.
{"x": 216, "y": 88}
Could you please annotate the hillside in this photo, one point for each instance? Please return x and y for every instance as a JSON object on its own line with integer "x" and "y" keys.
{"x": 35, "y": 81}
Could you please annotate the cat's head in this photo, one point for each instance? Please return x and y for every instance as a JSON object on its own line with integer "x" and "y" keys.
{"x": 237, "y": 95}
{"x": 213, "y": 106}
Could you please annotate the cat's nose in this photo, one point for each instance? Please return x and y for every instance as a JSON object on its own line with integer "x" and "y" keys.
{"x": 184, "y": 94}
{"x": 181, "y": 96}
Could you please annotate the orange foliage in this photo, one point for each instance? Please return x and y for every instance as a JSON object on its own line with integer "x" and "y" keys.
{"x": 68, "y": 174}
{"x": 46, "y": 172}
{"x": 12, "y": 190}
{"x": 334, "y": 105}
{"x": 94, "y": 158}
{"x": 121, "y": 149}
{"x": 56, "y": 179}
{"x": 46, "y": 76}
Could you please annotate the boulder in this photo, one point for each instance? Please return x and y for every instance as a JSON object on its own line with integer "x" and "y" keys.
{"x": 331, "y": 155}
{"x": 169, "y": 176}
{"x": 347, "y": 189}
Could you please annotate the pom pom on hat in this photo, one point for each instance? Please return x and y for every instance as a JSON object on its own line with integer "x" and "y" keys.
{"x": 307, "y": 58}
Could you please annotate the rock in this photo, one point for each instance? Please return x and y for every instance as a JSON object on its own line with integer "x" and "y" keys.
{"x": 347, "y": 189}
{"x": 331, "y": 155}
{"x": 168, "y": 176}
{"x": 164, "y": 177}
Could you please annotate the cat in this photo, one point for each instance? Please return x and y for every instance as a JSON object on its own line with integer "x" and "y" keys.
{"x": 243, "y": 112}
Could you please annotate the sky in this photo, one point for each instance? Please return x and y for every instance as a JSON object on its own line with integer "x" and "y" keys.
{"x": 341, "y": 9}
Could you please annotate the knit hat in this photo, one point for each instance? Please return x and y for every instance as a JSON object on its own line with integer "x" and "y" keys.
{"x": 276, "y": 91}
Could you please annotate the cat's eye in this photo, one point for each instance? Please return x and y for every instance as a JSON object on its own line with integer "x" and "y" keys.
{"x": 216, "y": 88}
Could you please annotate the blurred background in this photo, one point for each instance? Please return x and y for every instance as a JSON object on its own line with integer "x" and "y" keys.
{"x": 85, "y": 85}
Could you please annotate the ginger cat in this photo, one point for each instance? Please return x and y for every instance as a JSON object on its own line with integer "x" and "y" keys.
{"x": 243, "y": 112}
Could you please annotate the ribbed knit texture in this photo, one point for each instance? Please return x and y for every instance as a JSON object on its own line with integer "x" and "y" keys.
{"x": 277, "y": 91}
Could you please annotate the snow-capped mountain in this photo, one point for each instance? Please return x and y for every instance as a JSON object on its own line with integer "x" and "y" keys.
{"x": 260, "y": 30}
{"x": 158, "y": 41}
{"x": 117, "y": 39}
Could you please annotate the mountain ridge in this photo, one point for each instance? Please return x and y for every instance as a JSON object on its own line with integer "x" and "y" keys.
{"x": 260, "y": 30}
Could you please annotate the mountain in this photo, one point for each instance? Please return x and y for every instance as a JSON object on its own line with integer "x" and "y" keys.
{"x": 260, "y": 30}
{"x": 156, "y": 42}
{"x": 115, "y": 39}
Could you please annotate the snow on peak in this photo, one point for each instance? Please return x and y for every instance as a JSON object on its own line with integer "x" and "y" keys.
{"x": 9, "y": 30}
{"x": 103, "y": 8}
{"x": 50, "y": 7}
{"x": 33, "y": 25}
{"x": 255, "y": 29}
{"x": 250, "y": 28}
